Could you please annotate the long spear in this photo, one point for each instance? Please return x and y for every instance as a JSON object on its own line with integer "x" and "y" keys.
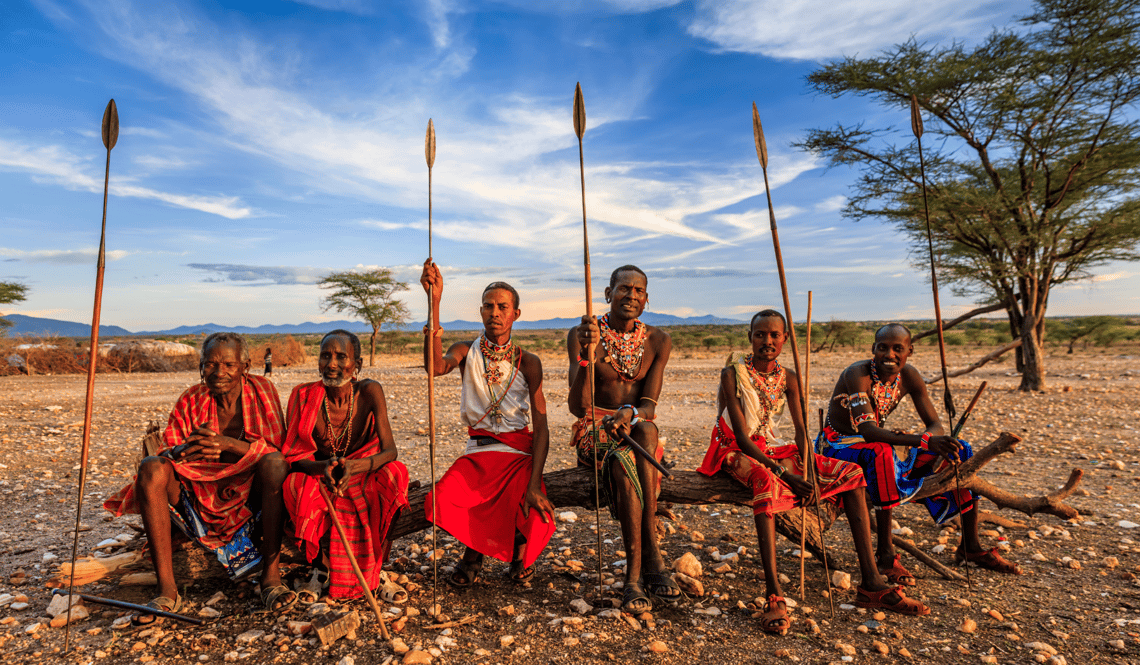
{"x": 429, "y": 154}
{"x": 947, "y": 399}
{"x": 110, "y": 137}
{"x": 805, "y": 399}
{"x": 580, "y": 130}
{"x": 762, "y": 154}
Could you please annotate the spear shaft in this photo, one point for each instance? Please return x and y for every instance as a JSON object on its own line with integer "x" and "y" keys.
{"x": 580, "y": 130}
{"x": 110, "y": 131}
{"x": 762, "y": 154}
{"x": 947, "y": 399}
{"x": 429, "y": 154}
{"x": 804, "y": 400}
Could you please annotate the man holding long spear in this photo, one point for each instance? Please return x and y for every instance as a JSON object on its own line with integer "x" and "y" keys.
{"x": 627, "y": 385}
{"x": 492, "y": 499}
{"x": 865, "y": 394}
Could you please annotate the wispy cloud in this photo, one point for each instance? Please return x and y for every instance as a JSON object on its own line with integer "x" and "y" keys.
{"x": 358, "y": 7}
{"x": 58, "y": 165}
{"x": 821, "y": 30}
{"x": 261, "y": 275}
{"x": 62, "y": 256}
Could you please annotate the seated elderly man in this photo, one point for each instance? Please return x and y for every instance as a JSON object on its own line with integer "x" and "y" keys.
{"x": 339, "y": 437}
{"x": 218, "y": 477}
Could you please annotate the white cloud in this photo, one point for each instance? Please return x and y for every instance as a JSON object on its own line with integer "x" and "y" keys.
{"x": 831, "y": 204}
{"x": 358, "y": 7}
{"x": 55, "y": 164}
{"x": 63, "y": 256}
{"x": 820, "y": 30}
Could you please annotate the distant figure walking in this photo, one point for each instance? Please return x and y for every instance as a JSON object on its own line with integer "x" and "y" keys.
{"x": 269, "y": 362}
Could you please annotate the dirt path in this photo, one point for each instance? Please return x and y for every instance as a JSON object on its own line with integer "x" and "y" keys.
{"x": 1085, "y": 609}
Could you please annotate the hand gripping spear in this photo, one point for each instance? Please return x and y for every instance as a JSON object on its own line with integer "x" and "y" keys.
{"x": 579, "y": 130}
{"x": 947, "y": 400}
{"x": 809, "y": 460}
{"x": 110, "y": 137}
{"x": 429, "y": 153}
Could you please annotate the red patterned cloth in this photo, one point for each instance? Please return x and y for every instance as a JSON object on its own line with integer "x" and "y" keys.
{"x": 366, "y": 509}
{"x": 220, "y": 488}
{"x": 480, "y": 499}
{"x": 771, "y": 495}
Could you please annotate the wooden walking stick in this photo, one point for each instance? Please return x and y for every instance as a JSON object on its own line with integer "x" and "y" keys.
{"x": 429, "y": 154}
{"x": 352, "y": 559}
{"x": 580, "y": 130}
{"x": 110, "y": 137}
{"x": 947, "y": 399}
{"x": 762, "y": 154}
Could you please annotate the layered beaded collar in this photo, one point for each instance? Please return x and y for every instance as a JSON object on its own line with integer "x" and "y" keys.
{"x": 886, "y": 396}
{"x": 623, "y": 350}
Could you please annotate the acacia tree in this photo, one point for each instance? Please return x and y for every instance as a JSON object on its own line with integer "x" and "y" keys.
{"x": 11, "y": 292}
{"x": 368, "y": 295}
{"x": 1034, "y": 160}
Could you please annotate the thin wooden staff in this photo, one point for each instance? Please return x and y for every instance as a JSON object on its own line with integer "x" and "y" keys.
{"x": 762, "y": 154}
{"x": 352, "y": 559}
{"x": 123, "y": 605}
{"x": 969, "y": 410}
{"x": 947, "y": 399}
{"x": 429, "y": 154}
{"x": 110, "y": 138}
{"x": 804, "y": 399}
{"x": 580, "y": 130}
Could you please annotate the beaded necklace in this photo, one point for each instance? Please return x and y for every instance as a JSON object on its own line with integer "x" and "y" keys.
{"x": 493, "y": 354}
{"x": 885, "y": 395}
{"x": 623, "y": 350}
{"x": 338, "y": 441}
{"x": 769, "y": 385}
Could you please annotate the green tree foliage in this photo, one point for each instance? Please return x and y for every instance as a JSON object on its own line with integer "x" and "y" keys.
{"x": 11, "y": 292}
{"x": 1032, "y": 152}
{"x": 369, "y": 296}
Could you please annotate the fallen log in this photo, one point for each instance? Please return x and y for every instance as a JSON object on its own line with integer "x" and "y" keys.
{"x": 574, "y": 488}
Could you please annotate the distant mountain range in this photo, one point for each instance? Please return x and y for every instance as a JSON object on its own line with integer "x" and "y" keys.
{"x": 31, "y": 326}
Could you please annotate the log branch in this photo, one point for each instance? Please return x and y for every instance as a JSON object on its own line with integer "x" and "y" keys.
{"x": 993, "y": 355}
{"x": 953, "y": 322}
{"x": 1051, "y": 504}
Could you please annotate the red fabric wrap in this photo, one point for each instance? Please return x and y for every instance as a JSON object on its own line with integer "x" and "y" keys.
{"x": 366, "y": 509}
{"x": 221, "y": 489}
{"x": 771, "y": 495}
{"x": 480, "y": 493}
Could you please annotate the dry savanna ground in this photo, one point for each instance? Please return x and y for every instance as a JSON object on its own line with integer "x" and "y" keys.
{"x": 1078, "y": 601}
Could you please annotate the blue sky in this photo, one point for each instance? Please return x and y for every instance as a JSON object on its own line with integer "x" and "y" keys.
{"x": 265, "y": 144}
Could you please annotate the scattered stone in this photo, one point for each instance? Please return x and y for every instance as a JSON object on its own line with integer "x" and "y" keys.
{"x": 298, "y": 627}
{"x": 399, "y": 646}
{"x": 841, "y": 580}
{"x": 1042, "y": 647}
{"x": 417, "y": 657}
{"x": 1110, "y": 562}
{"x": 506, "y": 640}
{"x": 1125, "y": 524}
{"x": 688, "y": 565}
{"x": 968, "y": 625}
{"x": 209, "y": 613}
{"x": 215, "y": 599}
{"x": 347, "y": 660}
{"x": 879, "y": 647}
{"x": 689, "y": 585}
{"x": 59, "y": 604}
{"x": 657, "y": 646}
{"x": 997, "y": 616}
{"x": 904, "y": 652}
{"x": 580, "y": 606}
{"x": 568, "y": 516}
{"x": 845, "y": 649}
{"x": 249, "y": 636}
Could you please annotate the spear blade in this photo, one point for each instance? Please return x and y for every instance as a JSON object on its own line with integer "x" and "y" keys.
{"x": 429, "y": 144}
{"x": 758, "y": 135}
{"x": 579, "y": 112}
{"x": 110, "y": 125}
{"x": 915, "y": 117}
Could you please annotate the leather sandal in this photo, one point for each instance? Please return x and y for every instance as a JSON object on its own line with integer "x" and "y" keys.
{"x": 878, "y": 600}
{"x": 633, "y": 599}
{"x": 662, "y": 586}
{"x": 159, "y": 603}
{"x": 775, "y": 618}
{"x": 271, "y": 598}
{"x": 520, "y": 574}
{"x": 897, "y": 574}
{"x": 466, "y": 574}
{"x": 990, "y": 560}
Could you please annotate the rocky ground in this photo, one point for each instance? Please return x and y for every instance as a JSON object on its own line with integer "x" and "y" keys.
{"x": 1078, "y": 601}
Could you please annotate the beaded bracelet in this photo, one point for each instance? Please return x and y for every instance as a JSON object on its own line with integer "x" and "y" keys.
{"x": 438, "y": 331}
{"x": 924, "y": 442}
{"x": 780, "y": 471}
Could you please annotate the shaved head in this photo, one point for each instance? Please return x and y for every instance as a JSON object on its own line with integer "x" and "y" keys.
{"x": 893, "y": 329}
